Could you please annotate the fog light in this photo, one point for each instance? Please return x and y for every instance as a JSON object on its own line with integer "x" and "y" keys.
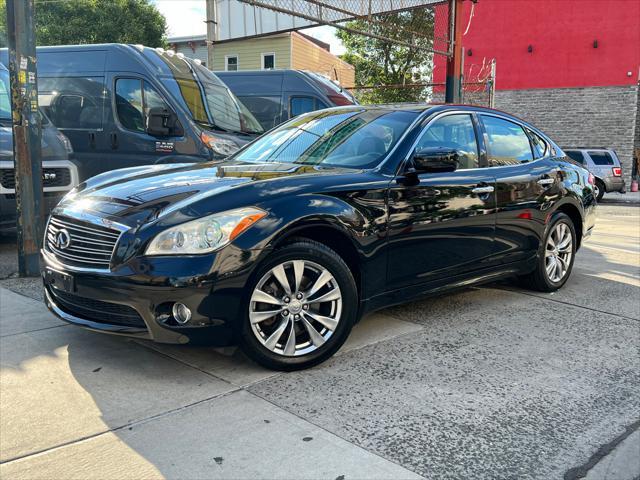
{"x": 181, "y": 313}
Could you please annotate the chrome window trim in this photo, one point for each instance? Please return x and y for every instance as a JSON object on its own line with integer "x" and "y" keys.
{"x": 73, "y": 170}
{"x": 471, "y": 112}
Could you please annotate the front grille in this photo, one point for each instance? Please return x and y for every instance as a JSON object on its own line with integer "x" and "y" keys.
{"x": 51, "y": 177}
{"x": 90, "y": 246}
{"x": 97, "y": 310}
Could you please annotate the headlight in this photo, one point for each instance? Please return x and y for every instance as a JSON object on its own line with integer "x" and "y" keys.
{"x": 205, "y": 234}
{"x": 221, "y": 146}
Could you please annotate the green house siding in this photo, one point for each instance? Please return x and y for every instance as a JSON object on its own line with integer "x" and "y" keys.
{"x": 249, "y": 52}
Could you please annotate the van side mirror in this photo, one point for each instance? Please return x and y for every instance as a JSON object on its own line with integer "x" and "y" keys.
{"x": 160, "y": 122}
{"x": 436, "y": 159}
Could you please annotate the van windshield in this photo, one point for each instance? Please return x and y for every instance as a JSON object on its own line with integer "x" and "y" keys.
{"x": 5, "y": 103}
{"x": 209, "y": 100}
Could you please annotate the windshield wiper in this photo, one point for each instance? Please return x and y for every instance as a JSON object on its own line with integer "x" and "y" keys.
{"x": 213, "y": 126}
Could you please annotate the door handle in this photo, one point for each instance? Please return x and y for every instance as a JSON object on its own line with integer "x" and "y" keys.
{"x": 114, "y": 141}
{"x": 488, "y": 189}
{"x": 546, "y": 181}
{"x": 92, "y": 141}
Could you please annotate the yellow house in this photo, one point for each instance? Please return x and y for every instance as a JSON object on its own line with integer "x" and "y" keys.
{"x": 290, "y": 50}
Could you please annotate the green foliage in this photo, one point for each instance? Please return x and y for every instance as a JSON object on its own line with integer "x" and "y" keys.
{"x": 70, "y": 22}
{"x": 380, "y": 63}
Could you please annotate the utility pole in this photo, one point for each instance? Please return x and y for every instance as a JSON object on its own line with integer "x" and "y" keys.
{"x": 212, "y": 30}
{"x": 26, "y": 134}
{"x": 453, "y": 87}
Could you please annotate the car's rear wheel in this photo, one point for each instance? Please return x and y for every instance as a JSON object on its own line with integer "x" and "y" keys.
{"x": 300, "y": 307}
{"x": 599, "y": 190}
{"x": 555, "y": 260}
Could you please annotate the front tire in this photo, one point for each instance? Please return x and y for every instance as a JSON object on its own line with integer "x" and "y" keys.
{"x": 555, "y": 260}
{"x": 300, "y": 307}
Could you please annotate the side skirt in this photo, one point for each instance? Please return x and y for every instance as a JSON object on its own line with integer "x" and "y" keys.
{"x": 425, "y": 290}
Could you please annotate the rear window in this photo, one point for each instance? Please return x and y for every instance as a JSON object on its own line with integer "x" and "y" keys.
{"x": 601, "y": 158}
{"x": 575, "y": 155}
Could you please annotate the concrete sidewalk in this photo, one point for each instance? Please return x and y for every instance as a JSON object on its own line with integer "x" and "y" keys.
{"x": 494, "y": 382}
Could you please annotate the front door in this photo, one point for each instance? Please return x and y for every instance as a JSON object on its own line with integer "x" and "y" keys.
{"x": 128, "y": 142}
{"x": 442, "y": 224}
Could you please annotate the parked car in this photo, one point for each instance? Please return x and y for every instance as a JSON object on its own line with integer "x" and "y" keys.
{"x": 59, "y": 173}
{"x": 604, "y": 164}
{"x": 129, "y": 105}
{"x": 283, "y": 246}
{"x": 275, "y": 96}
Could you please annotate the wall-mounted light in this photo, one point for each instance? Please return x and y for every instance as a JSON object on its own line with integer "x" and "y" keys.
{"x": 469, "y": 52}
{"x": 530, "y": 49}
{"x": 595, "y": 44}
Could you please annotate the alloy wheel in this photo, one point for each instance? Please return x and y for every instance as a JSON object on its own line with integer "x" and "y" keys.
{"x": 295, "y": 308}
{"x": 558, "y": 252}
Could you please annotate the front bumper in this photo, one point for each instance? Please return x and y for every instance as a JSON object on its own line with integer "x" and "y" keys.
{"x": 136, "y": 299}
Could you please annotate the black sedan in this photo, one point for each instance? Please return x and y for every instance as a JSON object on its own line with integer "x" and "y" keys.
{"x": 285, "y": 245}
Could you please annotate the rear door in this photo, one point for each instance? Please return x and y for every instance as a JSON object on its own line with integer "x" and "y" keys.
{"x": 527, "y": 181}
{"x": 442, "y": 224}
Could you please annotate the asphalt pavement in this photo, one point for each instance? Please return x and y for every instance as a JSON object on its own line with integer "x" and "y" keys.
{"x": 491, "y": 382}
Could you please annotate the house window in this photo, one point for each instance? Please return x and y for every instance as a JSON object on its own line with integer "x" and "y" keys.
{"x": 268, "y": 61}
{"x": 231, "y": 63}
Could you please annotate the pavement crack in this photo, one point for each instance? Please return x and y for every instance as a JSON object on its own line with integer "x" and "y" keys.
{"x": 32, "y": 331}
{"x": 512, "y": 290}
{"x": 581, "y": 471}
{"x": 128, "y": 425}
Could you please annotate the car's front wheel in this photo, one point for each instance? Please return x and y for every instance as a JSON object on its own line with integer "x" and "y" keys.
{"x": 300, "y": 307}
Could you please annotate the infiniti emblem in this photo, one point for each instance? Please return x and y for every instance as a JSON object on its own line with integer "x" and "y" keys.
{"x": 63, "y": 239}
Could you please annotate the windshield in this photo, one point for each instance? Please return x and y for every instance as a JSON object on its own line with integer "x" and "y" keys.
{"x": 352, "y": 138}
{"x": 210, "y": 102}
{"x": 5, "y": 102}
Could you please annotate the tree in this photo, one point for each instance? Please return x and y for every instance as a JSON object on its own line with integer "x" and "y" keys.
{"x": 70, "y": 22}
{"x": 380, "y": 63}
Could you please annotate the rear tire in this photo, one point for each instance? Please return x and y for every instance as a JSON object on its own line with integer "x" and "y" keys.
{"x": 555, "y": 258}
{"x": 302, "y": 331}
{"x": 600, "y": 190}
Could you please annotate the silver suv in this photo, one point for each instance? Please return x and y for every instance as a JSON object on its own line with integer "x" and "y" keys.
{"x": 604, "y": 165}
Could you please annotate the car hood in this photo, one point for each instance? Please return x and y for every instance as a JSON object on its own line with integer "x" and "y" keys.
{"x": 142, "y": 194}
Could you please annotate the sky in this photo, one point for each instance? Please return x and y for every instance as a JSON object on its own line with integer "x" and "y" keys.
{"x": 186, "y": 17}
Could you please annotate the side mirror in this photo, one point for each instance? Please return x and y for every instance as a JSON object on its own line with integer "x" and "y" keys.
{"x": 160, "y": 122}
{"x": 436, "y": 159}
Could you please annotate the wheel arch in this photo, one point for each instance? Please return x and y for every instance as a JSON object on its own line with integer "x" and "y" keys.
{"x": 329, "y": 235}
{"x": 573, "y": 212}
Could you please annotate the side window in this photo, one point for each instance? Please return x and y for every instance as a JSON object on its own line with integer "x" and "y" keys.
{"x": 540, "y": 147}
{"x": 231, "y": 63}
{"x": 300, "y": 105}
{"x": 152, "y": 99}
{"x": 453, "y": 131}
{"x": 72, "y": 102}
{"x": 268, "y": 61}
{"x": 133, "y": 104}
{"x": 265, "y": 109}
{"x": 129, "y": 103}
{"x": 575, "y": 155}
{"x": 601, "y": 158}
{"x": 507, "y": 144}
